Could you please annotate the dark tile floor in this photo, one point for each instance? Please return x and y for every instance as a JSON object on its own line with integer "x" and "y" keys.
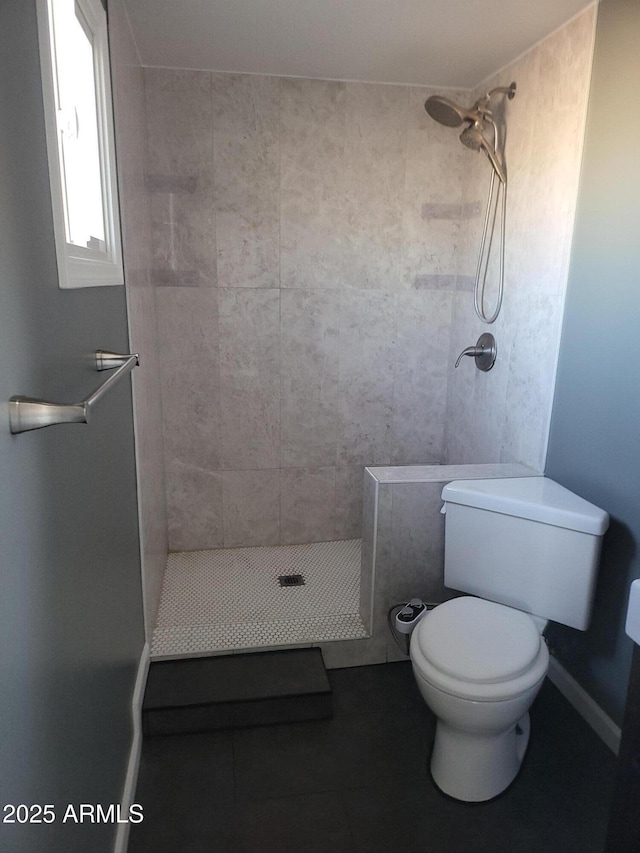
{"x": 360, "y": 783}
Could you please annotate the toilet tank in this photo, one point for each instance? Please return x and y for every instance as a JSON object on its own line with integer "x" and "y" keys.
{"x": 526, "y": 542}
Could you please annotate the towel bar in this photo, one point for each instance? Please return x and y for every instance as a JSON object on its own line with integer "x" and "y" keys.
{"x": 27, "y": 413}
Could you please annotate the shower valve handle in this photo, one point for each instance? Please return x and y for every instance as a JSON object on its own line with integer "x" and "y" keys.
{"x": 484, "y": 352}
{"x": 474, "y": 351}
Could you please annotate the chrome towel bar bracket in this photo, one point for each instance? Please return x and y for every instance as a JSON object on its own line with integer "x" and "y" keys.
{"x": 27, "y": 413}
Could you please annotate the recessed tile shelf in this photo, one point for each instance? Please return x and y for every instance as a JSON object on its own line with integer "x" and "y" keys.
{"x": 230, "y": 599}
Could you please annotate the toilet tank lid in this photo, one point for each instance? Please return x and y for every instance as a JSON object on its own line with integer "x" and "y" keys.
{"x": 534, "y": 498}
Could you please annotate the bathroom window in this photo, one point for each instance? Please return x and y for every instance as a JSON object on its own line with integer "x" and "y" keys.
{"x": 74, "y": 61}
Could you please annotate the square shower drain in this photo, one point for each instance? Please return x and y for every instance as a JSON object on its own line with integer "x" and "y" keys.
{"x": 291, "y": 580}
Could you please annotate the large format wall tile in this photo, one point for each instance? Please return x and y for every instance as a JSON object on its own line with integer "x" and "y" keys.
{"x": 179, "y": 116}
{"x": 313, "y": 218}
{"x": 375, "y": 158}
{"x": 180, "y": 176}
{"x": 313, "y": 242}
{"x": 247, "y": 179}
{"x": 365, "y": 396}
{"x": 183, "y": 222}
{"x": 190, "y": 375}
{"x": 349, "y": 497}
{"x": 309, "y": 333}
{"x": 251, "y": 508}
{"x": 249, "y": 322}
{"x": 420, "y": 389}
{"x": 194, "y": 506}
{"x": 307, "y": 505}
{"x": 313, "y": 128}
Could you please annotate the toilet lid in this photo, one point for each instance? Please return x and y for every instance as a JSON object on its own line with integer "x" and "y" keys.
{"x": 479, "y": 641}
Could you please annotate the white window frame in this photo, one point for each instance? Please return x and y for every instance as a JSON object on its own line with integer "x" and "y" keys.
{"x": 79, "y": 266}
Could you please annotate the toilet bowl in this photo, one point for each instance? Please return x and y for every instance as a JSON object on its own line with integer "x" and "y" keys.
{"x": 525, "y": 550}
{"x": 479, "y": 666}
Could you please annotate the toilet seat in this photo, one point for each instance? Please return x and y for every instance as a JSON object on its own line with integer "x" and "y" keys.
{"x": 479, "y": 650}
{"x": 480, "y": 641}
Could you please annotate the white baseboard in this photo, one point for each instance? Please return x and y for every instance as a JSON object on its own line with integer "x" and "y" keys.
{"x": 588, "y": 709}
{"x": 131, "y": 779}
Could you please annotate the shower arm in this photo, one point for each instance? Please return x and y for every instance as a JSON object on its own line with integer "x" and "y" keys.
{"x": 481, "y": 106}
{"x": 509, "y": 91}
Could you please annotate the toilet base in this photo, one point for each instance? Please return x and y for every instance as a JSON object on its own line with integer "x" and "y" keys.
{"x": 473, "y": 767}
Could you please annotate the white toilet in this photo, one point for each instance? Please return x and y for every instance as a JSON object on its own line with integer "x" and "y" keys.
{"x": 529, "y": 549}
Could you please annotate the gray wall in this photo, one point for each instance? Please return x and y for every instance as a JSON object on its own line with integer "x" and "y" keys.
{"x": 71, "y": 628}
{"x": 594, "y": 444}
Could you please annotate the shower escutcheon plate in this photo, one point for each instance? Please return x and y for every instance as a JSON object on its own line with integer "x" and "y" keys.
{"x": 485, "y": 359}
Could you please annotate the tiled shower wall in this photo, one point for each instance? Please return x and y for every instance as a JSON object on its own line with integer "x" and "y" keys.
{"x": 128, "y": 97}
{"x": 503, "y": 415}
{"x": 304, "y": 261}
{"x": 313, "y": 250}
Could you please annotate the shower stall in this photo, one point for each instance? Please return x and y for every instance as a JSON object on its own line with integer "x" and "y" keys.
{"x": 303, "y": 321}
{"x": 301, "y": 259}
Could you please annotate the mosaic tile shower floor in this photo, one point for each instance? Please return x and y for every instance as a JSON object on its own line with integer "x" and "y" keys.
{"x": 229, "y": 599}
